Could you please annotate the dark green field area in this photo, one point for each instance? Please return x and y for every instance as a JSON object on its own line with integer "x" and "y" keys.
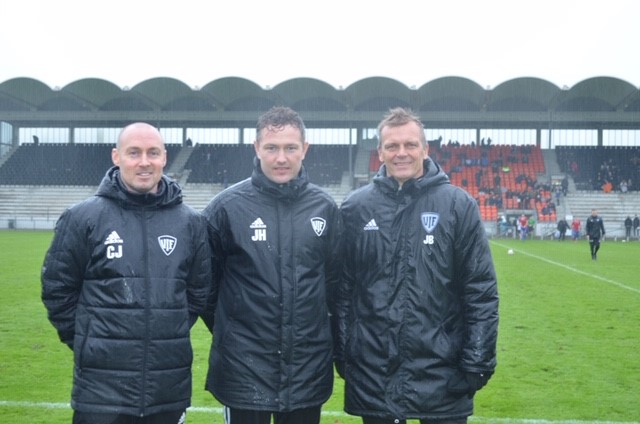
{"x": 567, "y": 350}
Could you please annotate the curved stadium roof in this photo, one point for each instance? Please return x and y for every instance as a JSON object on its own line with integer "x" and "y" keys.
{"x": 448, "y": 102}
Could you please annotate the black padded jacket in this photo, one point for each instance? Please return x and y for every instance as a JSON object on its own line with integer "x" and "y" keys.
{"x": 274, "y": 246}
{"x": 125, "y": 277}
{"x": 418, "y": 305}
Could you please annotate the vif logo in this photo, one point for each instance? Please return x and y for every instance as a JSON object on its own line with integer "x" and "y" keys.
{"x": 318, "y": 224}
{"x": 114, "y": 245}
{"x": 167, "y": 244}
{"x": 429, "y": 222}
{"x": 260, "y": 230}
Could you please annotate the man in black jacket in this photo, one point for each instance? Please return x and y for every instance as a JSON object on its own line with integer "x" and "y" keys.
{"x": 595, "y": 231}
{"x": 562, "y": 228}
{"x": 418, "y": 301}
{"x": 628, "y": 224}
{"x": 126, "y": 276}
{"x": 274, "y": 238}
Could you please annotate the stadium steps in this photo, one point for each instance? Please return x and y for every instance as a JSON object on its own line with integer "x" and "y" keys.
{"x": 40, "y": 201}
{"x": 8, "y": 155}
{"x": 199, "y": 195}
{"x": 613, "y": 208}
{"x": 48, "y": 202}
{"x": 177, "y": 166}
{"x": 551, "y": 166}
{"x": 38, "y": 207}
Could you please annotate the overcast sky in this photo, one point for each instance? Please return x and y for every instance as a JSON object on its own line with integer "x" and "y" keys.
{"x": 337, "y": 41}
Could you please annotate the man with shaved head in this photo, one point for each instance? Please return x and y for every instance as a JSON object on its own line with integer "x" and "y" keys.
{"x": 126, "y": 276}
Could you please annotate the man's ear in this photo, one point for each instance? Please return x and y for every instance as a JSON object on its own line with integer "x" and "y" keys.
{"x": 115, "y": 157}
{"x": 256, "y": 147}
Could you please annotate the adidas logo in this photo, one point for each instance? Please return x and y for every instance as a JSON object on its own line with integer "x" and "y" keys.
{"x": 259, "y": 230}
{"x": 114, "y": 246}
{"x": 113, "y": 238}
{"x": 257, "y": 224}
{"x": 371, "y": 225}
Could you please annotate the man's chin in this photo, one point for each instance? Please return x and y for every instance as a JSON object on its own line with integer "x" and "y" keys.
{"x": 280, "y": 178}
{"x": 402, "y": 176}
{"x": 143, "y": 188}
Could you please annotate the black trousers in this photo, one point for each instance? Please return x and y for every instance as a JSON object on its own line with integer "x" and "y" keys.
{"x": 377, "y": 420}
{"x": 171, "y": 417}
{"x": 299, "y": 416}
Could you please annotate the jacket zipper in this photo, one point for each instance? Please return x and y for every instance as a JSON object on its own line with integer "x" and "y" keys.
{"x": 147, "y": 284}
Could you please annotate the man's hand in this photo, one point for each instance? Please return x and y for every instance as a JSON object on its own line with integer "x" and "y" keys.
{"x": 468, "y": 382}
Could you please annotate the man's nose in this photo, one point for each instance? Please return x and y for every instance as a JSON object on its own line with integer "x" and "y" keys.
{"x": 144, "y": 159}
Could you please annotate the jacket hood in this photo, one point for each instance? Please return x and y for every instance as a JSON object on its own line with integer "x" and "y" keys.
{"x": 433, "y": 176}
{"x": 287, "y": 191}
{"x": 169, "y": 192}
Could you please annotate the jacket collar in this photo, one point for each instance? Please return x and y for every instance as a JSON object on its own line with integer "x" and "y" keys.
{"x": 288, "y": 191}
{"x": 169, "y": 192}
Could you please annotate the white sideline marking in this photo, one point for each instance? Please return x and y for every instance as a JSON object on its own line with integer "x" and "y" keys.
{"x": 570, "y": 268}
{"x": 218, "y": 410}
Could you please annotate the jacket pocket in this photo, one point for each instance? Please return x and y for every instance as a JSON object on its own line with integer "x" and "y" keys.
{"x": 81, "y": 350}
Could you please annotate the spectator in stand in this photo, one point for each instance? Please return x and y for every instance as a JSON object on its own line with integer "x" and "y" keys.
{"x": 575, "y": 228}
{"x": 562, "y": 229}
{"x": 523, "y": 226}
{"x": 552, "y": 206}
{"x": 628, "y": 224}
{"x": 503, "y": 226}
{"x": 479, "y": 173}
{"x": 623, "y": 186}
{"x": 531, "y": 225}
{"x": 565, "y": 186}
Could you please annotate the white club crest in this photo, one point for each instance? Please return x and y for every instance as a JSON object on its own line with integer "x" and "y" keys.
{"x": 167, "y": 244}
{"x": 429, "y": 221}
{"x": 318, "y": 225}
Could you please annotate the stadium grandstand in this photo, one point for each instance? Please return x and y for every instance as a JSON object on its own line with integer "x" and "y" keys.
{"x": 512, "y": 147}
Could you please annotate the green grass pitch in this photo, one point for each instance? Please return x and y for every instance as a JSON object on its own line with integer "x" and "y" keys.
{"x": 568, "y": 348}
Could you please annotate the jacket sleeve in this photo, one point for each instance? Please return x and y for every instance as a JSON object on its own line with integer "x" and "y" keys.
{"x": 62, "y": 275}
{"x": 343, "y": 293}
{"x": 199, "y": 280}
{"x": 475, "y": 271}
{"x": 333, "y": 270}
{"x": 213, "y": 232}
